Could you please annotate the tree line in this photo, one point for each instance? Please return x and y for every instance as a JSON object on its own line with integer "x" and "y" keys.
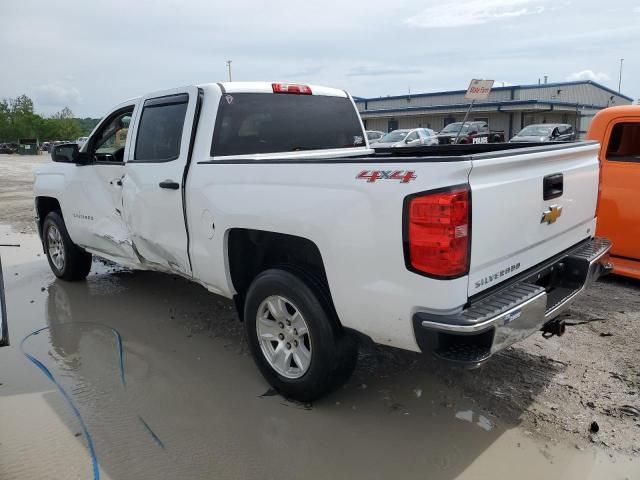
{"x": 17, "y": 120}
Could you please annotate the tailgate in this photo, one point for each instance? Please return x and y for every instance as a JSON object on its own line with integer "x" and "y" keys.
{"x": 513, "y": 226}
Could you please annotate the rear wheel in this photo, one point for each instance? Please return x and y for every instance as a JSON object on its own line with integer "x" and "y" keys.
{"x": 294, "y": 335}
{"x": 66, "y": 259}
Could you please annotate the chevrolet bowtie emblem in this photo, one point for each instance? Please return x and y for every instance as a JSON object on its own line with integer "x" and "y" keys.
{"x": 551, "y": 215}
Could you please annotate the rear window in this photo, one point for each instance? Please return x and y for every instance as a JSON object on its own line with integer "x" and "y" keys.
{"x": 251, "y": 123}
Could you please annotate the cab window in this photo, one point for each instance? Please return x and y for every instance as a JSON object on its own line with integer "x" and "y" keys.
{"x": 624, "y": 143}
{"x": 258, "y": 123}
{"x": 111, "y": 139}
{"x": 160, "y": 131}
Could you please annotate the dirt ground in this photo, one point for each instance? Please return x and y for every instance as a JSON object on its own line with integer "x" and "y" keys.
{"x": 16, "y": 193}
{"x": 180, "y": 397}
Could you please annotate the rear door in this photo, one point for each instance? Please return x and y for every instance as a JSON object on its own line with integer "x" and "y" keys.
{"x": 527, "y": 207}
{"x": 155, "y": 174}
{"x": 619, "y": 211}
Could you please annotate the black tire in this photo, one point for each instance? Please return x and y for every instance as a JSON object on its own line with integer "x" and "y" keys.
{"x": 76, "y": 263}
{"x": 333, "y": 350}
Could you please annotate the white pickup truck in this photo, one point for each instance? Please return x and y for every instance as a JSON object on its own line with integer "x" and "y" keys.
{"x": 269, "y": 194}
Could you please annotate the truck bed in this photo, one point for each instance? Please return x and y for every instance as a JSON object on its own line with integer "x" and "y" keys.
{"x": 423, "y": 153}
{"x": 473, "y": 151}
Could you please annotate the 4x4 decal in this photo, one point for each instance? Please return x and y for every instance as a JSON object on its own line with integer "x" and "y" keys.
{"x": 405, "y": 176}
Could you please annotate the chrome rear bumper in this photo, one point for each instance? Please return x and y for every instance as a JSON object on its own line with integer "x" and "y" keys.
{"x": 511, "y": 313}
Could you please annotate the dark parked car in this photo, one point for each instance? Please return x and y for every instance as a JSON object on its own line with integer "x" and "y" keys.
{"x": 8, "y": 147}
{"x": 545, "y": 132}
{"x": 470, "y": 132}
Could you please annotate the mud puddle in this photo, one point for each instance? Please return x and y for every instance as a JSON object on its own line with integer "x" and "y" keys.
{"x": 137, "y": 375}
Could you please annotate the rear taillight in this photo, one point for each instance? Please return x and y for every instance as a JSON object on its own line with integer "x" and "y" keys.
{"x": 291, "y": 88}
{"x": 438, "y": 232}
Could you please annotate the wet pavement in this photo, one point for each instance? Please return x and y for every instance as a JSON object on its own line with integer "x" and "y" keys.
{"x": 139, "y": 375}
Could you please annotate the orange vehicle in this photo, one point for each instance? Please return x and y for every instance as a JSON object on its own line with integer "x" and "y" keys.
{"x": 618, "y": 131}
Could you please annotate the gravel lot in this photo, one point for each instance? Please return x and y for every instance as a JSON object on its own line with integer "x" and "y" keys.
{"x": 402, "y": 415}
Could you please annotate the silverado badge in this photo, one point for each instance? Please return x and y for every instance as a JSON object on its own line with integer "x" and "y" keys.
{"x": 551, "y": 214}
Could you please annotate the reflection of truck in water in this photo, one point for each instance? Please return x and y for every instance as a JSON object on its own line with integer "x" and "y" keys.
{"x": 470, "y": 132}
{"x": 268, "y": 194}
{"x": 4, "y": 327}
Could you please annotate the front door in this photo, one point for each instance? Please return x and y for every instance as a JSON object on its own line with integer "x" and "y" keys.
{"x": 155, "y": 174}
{"x": 619, "y": 211}
{"x": 93, "y": 198}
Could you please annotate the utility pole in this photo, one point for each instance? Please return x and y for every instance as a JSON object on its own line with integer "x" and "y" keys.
{"x": 620, "y": 77}
{"x": 229, "y": 68}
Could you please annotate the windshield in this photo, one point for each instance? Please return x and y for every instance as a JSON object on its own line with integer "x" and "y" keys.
{"x": 455, "y": 127}
{"x": 252, "y": 123}
{"x": 395, "y": 136}
{"x": 535, "y": 131}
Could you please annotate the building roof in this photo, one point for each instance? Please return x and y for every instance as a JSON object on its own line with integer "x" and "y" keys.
{"x": 511, "y": 87}
{"x": 480, "y": 106}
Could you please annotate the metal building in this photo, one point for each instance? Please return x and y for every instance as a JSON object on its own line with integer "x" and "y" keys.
{"x": 507, "y": 108}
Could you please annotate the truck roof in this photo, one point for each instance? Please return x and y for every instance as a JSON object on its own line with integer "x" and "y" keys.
{"x": 267, "y": 87}
{"x": 255, "y": 87}
{"x": 604, "y": 117}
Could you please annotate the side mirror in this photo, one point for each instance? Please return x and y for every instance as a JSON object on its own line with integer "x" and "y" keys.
{"x": 69, "y": 153}
{"x": 64, "y": 153}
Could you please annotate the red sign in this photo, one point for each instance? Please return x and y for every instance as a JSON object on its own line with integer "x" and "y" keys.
{"x": 479, "y": 89}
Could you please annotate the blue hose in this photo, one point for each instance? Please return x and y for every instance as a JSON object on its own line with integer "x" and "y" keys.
{"x": 74, "y": 408}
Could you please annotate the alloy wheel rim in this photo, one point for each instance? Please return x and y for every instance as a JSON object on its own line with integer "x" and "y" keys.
{"x": 55, "y": 247}
{"x": 284, "y": 337}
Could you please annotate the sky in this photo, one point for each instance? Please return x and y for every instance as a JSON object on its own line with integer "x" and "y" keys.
{"x": 90, "y": 55}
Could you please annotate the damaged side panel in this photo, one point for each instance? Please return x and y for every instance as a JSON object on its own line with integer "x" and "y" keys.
{"x": 113, "y": 238}
{"x": 153, "y": 185}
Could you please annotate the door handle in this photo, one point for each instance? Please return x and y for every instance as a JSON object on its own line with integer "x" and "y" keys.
{"x": 169, "y": 184}
{"x": 552, "y": 186}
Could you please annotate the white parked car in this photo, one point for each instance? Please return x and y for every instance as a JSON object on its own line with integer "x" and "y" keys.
{"x": 408, "y": 138}
{"x": 267, "y": 194}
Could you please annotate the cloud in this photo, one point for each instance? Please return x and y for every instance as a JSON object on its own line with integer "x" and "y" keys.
{"x": 472, "y": 12}
{"x": 56, "y": 95}
{"x": 636, "y": 9}
{"x": 589, "y": 75}
{"x": 376, "y": 71}
{"x": 514, "y": 41}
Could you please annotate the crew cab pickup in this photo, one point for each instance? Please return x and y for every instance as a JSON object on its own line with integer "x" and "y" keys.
{"x": 618, "y": 131}
{"x": 270, "y": 195}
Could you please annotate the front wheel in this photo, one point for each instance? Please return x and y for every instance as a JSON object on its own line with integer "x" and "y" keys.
{"x": 294, "y": 335}
{"x": 67, "y": 260}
